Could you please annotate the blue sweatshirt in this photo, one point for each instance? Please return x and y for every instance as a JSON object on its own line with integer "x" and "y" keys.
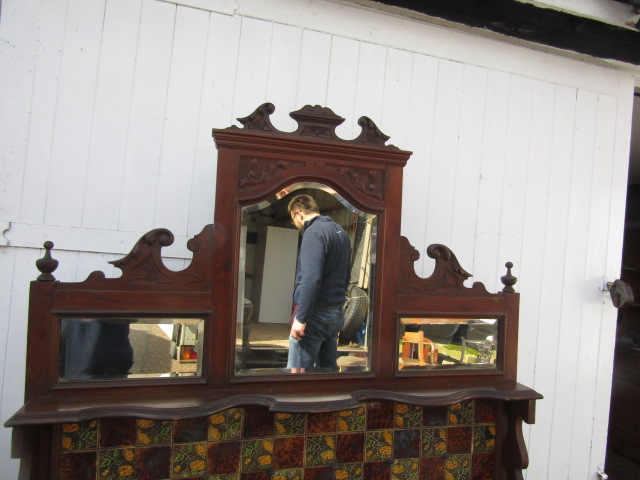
{"x": 322, "y": 274}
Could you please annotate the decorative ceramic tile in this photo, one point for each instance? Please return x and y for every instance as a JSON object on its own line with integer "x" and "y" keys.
{"x": 457, "y": 467}
{"x": 153, "y": 463}
{"x": 225, "y": 425}
{"x": 288, "y": 452}
{"x": 255, "y": 476}
{"x": 318, "y": 473}
{"x": 288, "y": 474}
{"x": 190, "y": 430}
{"x": 432, "y": 468}
{"x": 459, "y": 439}
{"x": 405, "y": 469}
{"x": 434, "y": 442}
{"x": 406, "y": 443}
{"x": 77, "y": 466}
{"x": 461, "y": 413}
{"x": 225, "y": 476}
{"x": 79, "y": 436}
{"x": 435, "y": 416}
{"x": 258, "y": 422}
{"x": 352, "y": 420}
{"x": 323, "y": 422}
{"x": 349, "y": 471}
{"x": 189, "y": 460}
{"x": 408, "y": 416}
{"x": 117, "y": 432}
{"x": 290, "y": 423}
{"x": 377, "y": 470}
{"x": 350, "y": 447}
{"x": 116, "y": 463}
{"x": 485, "y": 411}
{"x": 380, "y": 415}
{"x": 379, "y": 445}
{"x": 483, "y": 466}
{"x": 224, "y": 457}
{"x": 484, "y": 438}
{"x": 321, "y": 450}
{"x": 257, "y": 455}
{"x": 153, "y": 432}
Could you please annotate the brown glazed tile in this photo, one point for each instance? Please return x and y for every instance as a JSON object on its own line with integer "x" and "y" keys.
{"x": 486, "y": 411}
{"x": 288, "y": 452}
{"x": 256, "y": 476}
{"x": 258, "y": 422}
{"x": 350, "y": 447}
{"x": 377, "y": 470}
{"x": 190, "y": 430}
{"x": 459, "y": 439}
{"x": 223, "y": 457}
{"x": 483, "y": 466}
{"x": 117, "y": 432}
{"x": 78, "y": 466}
{"x": 431, "y": 468}
{"x": 318, "y": 473}
{"x": 406, "y": 444}
{"x": 153, "y": 463}
{"x": 323, "y": 422}
{"x": 434, "y": 416}
{"x": 380, "y": 415}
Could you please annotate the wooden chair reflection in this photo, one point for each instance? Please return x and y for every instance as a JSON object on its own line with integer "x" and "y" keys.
{"x": 414, "y": 350}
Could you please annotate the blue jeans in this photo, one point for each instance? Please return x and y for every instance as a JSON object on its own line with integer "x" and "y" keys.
{"x": 319, "y": 345}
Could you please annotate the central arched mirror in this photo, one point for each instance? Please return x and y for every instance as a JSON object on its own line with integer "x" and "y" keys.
{"x": 269, "y": 245}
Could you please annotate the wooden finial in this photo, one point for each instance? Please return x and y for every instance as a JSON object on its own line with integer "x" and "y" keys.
{"x": 508, "y": 280}
{"x": 47, "y": 265}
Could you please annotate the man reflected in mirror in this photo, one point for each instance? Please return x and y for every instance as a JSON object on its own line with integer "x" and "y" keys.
{"x": 322, "y": 276}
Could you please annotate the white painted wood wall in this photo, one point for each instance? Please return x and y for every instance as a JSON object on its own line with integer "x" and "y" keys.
{"x": 106, "y": 110}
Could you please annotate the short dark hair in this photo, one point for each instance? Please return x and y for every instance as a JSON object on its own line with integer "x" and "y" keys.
{"x": 305, "y": 203}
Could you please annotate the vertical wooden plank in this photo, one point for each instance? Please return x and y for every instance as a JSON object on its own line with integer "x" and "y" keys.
{"x": 396, "y": 96}
{"x": 51, "y": 32}
{"x": 74, "y": 114}
{"x": 18, "y": 46}
{"x": 89, "y": 262}
{"x": 573, "y": 305}
{"x": 313, "y": 78}
{"x": 282, "y": 81}
{"x": 107, "y": 151}
{"x": 420, "y": 125}
{"x": 146, "y": 120}
{"x": 253, "y": 62}
{"x": 181, "y": 120}
{"x": 215, "y": 112}
{"x": 343, "y": 74}
{"x": 372, "y": 85}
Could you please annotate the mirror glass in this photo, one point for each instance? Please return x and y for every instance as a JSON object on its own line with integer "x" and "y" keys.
{"x": 120, "y": 348}
{"x": 267, "y": 274}
{"x": 447, "y": 343}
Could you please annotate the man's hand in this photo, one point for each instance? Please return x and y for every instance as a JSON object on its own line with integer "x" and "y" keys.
{"x": 297, "y": 329}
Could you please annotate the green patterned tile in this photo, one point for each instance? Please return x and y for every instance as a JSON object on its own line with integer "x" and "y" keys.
{"x": 405, "y": 469}
{"x": 257, "y": 455}
{"x": 408, "y": 416}
{"x": 225, "y": 425}
{"x": 116, "y": 464}
{"x": 290, "y": 423}
{"x": 288, "y": 474}
{"x": 352, "y": 420}
{"x": 379, "y": 445}
{"x": 79, "y": 436}
{"x": 153, "y": 432}
{"x": 321, "y": 450}
{"x": 349, "y": 471}
{"x": 461, "y": 413}
{"x": 434, "y": 442}
{"x": 484, "y": 438}
{"x": 189, "y": 460}
{"x": 457, "y": 467}
{"x": 225, "y": 476}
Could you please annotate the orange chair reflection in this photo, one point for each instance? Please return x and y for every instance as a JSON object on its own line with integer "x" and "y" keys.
{"x": 414, "y": 350}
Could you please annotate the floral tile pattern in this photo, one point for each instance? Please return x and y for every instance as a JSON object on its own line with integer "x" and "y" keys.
{"x": 378, "y": 440}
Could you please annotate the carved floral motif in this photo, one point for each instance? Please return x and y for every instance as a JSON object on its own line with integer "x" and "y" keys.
{"x": 256, "y": 171}
{"x": 366, "y": 180}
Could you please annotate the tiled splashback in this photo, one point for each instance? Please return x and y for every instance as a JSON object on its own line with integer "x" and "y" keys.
{"x": 378, "y": 440}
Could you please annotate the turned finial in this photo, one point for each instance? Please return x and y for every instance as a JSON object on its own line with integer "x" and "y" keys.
{"x": 508, "y": 280}
{"x": 47, "y": 265}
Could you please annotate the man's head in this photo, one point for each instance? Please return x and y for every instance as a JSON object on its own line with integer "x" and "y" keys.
{"x": 302, "y": 208}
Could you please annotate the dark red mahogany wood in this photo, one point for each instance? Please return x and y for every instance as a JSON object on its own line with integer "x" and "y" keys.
{"x": 254, "y": 162}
